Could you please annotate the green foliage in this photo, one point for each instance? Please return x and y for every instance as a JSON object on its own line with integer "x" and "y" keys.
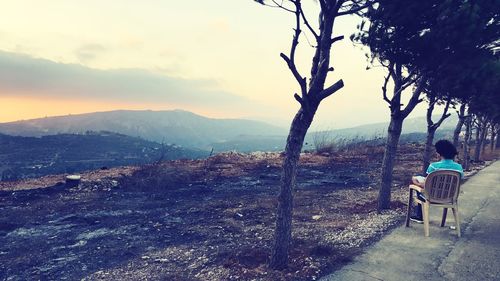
{"x": 398, "y": 31}
{"x": 430, "y": 34}
{"x": 454, "y": 43}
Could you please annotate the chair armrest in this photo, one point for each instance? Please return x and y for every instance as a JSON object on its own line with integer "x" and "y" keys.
{"x": 417, "y": 188}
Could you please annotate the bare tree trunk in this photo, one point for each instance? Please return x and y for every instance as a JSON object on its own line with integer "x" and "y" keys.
{"x": 311, "y": 93}
{"x": 493, "y": 137}
{"x": 498, "y": 138}
{"x": 283, "y": 231}
{"x": 431, "y": 131}
{"x": 468, "y": 129}
{"x": 460, "y": 123}
{"x": 391, "y": 147}
{"x": 484, "y": 135}
{"x": 477, "y": 148}
{"x": 481, "y": 132}
{"x": 398, "y": 115}
{"x": 478, "y": 140}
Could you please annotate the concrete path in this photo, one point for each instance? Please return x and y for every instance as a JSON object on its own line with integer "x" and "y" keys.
{"x": 405, "y": 254}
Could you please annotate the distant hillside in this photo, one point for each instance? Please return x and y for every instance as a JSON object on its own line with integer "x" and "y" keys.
{"x": 174, "y": 127}
{"x": 190, "y": 130}
{"x": 414, "y": 130}
{"x": 22, "y": 157}
{"x": 411, "y": 126}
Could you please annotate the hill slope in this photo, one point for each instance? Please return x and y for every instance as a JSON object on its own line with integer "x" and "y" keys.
{"x": 191, "y": 130}
{"x": 175, "y": 127}
{"x": 410, "y": 125}
{"x": 22, "y": 157}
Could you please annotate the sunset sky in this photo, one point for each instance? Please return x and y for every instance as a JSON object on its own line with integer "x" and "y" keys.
{"x": 217, "y": 58}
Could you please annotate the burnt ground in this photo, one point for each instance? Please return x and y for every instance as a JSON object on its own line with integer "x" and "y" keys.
{"x": 197, "y": 220}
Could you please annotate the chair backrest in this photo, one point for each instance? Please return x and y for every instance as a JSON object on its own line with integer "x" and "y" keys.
{"x": 443, "y": 186}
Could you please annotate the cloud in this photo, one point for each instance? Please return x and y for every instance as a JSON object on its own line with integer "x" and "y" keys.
{"x": 89, "y": 52}
{"x": 34, "y": 77}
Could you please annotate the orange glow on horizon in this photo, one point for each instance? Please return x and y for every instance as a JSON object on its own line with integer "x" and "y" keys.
{"x": 24, "y": 108}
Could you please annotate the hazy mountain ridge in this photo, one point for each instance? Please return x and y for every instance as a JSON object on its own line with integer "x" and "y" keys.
{"x": 410, "y": 125}
{"x": 52, "y": 152}
{"x": 191, "y": 130}
{"x": 174, "y": 127}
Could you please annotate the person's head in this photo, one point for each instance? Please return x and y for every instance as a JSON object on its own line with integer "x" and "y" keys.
{"x": 446, "y": 149}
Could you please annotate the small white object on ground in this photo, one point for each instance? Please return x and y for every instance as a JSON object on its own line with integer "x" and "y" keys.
{"x": 73, "y": 177}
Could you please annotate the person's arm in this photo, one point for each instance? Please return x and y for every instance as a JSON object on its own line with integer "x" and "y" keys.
{"x": 418, "y": 181}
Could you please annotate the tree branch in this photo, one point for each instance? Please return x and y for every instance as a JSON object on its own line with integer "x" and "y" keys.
{"x": 405, "y": 84}
{"x": 276, "y": 5}
{"x": 415, "y": 98}
{"x": 408, "y": 81}
{"x": 337, "y": 38}
{"x": 354, "y": 9}
{"x": 299, "y": 99}
{"x": 430, "y": 109}
{"x": 330, "y": 90}
{"x": 316, "y": 36}
{"x": 290, "y": 61}
{"x": 384, "y": 88}
{"x": 445, "y": 114}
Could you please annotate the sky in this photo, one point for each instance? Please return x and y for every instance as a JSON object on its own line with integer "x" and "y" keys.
{"x": 217, "y": 58}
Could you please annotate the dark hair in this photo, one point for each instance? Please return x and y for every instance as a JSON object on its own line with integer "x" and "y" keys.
{"x": 446, "y": 149}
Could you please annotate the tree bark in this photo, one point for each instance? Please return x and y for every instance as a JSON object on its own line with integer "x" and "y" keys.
{"x": 458, "y": 128}
{"x": 283, "y": 230}
{"x": 498, "y": 139}
{"x": 478, "y": 144}
{"x": 468, "y": 129}
{"x": 431, "y": 131}
{"x": 481, "y": 132}
{"x": 310, "y": 96}
{"x": 395, "y": 127}
{"x": 484, "y": 135}
{"x": 391, "y": 147}
{"x": 493, "y": 137}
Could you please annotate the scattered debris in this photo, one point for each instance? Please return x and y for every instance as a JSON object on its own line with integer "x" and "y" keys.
{"x": 209, "y": 219}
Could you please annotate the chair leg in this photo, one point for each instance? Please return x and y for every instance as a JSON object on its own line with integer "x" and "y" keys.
{"x": 425, "y": 209}
{"x": 410, "y": 203}
{"x": 457, "y": 219}
{"x": 445, "y": 213}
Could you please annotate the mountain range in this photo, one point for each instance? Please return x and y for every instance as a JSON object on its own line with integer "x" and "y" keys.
{"x": 73, "y": 143}
{"x": 171, "y": 127}
{"x": 410, "y": 125}
{"x": 197, "y": 132}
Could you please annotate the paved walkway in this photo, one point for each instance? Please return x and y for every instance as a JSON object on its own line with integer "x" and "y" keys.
{"x": 405, "y": 254}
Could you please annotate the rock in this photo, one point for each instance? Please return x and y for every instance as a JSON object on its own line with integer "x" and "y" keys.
{"x": 73, "y": 180}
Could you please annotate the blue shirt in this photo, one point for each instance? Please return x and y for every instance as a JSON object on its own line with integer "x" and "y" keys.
{"x": 446, "y": 164}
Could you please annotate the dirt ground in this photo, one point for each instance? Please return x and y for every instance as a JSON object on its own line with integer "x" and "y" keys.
{"x": 207, "y": 219}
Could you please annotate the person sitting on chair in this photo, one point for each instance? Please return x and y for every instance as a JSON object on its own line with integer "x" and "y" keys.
{"x": 447, "y": 152}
